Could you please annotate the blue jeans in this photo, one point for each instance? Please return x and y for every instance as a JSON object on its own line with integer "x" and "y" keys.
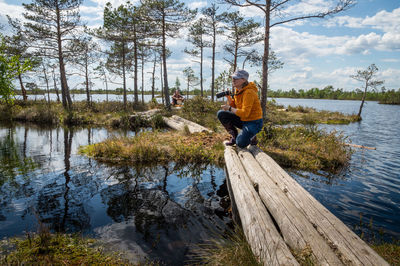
{"x": 249, "y": 128}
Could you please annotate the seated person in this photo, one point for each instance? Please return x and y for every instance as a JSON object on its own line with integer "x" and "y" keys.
{"x": 177, "y": 97}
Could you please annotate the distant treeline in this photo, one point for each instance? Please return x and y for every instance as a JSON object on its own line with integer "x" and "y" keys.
{"x": 384, "y": 96}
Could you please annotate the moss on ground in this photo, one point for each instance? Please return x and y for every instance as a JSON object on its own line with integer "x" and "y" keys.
{"x": 56, "y": 249}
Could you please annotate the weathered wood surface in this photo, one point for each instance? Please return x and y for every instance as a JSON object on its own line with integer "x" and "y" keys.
{"x": 259, "y": 229}
{"x": 360, "y": 146}
{"x": 179, "y": 123}
{"x": 349, "y": 247}
{"x": 146, "y": 114}
{"x": 298, "y": 233}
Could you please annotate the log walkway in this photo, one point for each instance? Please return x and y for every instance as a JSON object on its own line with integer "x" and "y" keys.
{"x": 279, "y": 216}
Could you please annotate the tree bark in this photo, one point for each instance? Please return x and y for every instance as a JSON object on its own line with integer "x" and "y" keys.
{"x": 264, "y": 89}
{"x": 135, "y": 51}
{"x": 363, "y": 99}
{"x": 23, "y": 90}
{"x": 124, "y": 75}
{"x": 164, "y": 55}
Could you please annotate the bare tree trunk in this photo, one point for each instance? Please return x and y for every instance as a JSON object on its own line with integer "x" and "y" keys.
{"x": 363, "y": 99}
{"x": 23, "y": 90}
{"x": 161, "y": 81}
{"x": 135, "y": 84}
{"x": 153, "y": 77}
{"x": 264, "y": 89}
{"x": 66, "y": 98}
{"x": 142, "y": 78}
{"x": 124, "y": 75}
{"x": 87, "y": 83}
{"x": 213, "y": 65}
{"x": 164, "y": 55}
{"x": 55, "y": 86}
{"x": 201, "y": 71}
{"x": 47, "y": 83}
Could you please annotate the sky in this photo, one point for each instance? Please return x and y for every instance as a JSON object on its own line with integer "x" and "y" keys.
{"x": 316, "y": 53}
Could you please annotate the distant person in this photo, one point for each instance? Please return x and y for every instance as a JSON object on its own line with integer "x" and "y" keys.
{"x": 177, "y": 98}
{"x": 243, "y": 111}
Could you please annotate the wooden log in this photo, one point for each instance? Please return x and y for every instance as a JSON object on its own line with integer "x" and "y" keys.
{"x": 146, "y": 114}
{"x": 298, "y": 233}
{"x": 259, "y": 229}
{"x": 352, "y": 250}
{"x": 179, "y": 123}
{"x": 360, "y": 146}
{"x": 195, "y": 126}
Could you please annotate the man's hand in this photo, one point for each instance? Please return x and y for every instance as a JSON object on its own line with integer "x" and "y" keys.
{"x": 225, "y": 107}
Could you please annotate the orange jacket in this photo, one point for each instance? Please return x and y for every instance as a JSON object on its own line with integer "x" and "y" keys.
{"x": 247, "y": 104}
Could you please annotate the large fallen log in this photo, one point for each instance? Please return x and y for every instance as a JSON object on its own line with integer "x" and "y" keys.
{"x": 350, "y": 248}
{"x": 298, "y": 233}
{"x": 259, "y": 229}
{"x": 179, "y": 123}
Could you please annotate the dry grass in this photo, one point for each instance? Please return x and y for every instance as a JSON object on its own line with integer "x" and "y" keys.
{"x": 160, "y": 147}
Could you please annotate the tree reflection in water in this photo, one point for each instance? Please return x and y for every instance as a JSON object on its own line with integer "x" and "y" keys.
{"x": 155, "y": 218}
{"x": 158, "y": 212}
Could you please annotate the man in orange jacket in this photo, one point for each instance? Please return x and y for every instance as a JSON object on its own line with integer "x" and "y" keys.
{"x": 242, "y": 111}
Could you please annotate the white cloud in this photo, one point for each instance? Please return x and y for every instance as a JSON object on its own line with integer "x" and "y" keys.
{"x": 383, "y": 20}
{"x": 14, "y": 11}
{"x": 199, "y": 4}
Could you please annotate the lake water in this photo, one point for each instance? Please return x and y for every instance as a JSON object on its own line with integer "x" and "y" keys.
{"x": 164, "y": 211}
{"x": 159, "y": 212}
{"x": 369, "y": 190}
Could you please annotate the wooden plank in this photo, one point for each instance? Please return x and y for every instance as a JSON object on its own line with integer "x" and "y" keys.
{"x": 297, "y": 231}
{"x": 259, "y": 229}
{"x": 352, "y": 250}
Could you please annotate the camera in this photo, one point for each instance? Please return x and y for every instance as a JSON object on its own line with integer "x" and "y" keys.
{"x": 222, "y": 94}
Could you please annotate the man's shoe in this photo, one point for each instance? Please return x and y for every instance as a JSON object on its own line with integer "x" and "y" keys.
{"x": 231, "y": 142}
{"x": 254, "y": 141}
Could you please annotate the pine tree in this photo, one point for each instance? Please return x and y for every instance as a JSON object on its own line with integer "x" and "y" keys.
{"x": 51, "y": 26}
{"x": 167, "y": 17}
{"x": 276, "y": 13}
{"x": 212, "y": 27}
{"x": 241, "y": 34}
{"x": 196, "y": 37}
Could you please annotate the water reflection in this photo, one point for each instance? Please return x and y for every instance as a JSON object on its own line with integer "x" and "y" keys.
{"x": 43, "y": 179}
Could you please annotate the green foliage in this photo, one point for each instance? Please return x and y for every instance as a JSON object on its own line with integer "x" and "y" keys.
{"x": 58, "y": 249}
{"x": 383, "y": 96}
{"x": 10, "y": 67}
{"x": 201, "y": 111}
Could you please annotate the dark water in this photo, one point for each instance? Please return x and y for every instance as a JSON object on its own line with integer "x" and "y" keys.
{"x": 158, "y": 212}
{"x": 369, "y": 190}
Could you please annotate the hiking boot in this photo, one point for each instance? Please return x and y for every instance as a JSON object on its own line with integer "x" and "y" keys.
{"x": 233, "y": 131}
{"x": 231, "y": 142}
{"x": 254, "y": 141}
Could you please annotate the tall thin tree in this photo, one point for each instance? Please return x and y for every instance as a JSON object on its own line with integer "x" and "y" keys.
{"x": 167, "y": 16}
{"x": 196, "y": 37}
{"x": 212, "y": 26}
{"x": 51, "y": 25}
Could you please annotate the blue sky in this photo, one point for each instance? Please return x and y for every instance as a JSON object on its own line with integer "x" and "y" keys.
{"x": 315, "y": 53}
